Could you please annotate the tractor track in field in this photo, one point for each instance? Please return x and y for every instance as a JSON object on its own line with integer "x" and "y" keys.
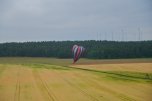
{"x": 43, "y": 84}
{"x": 80, "y": 89}
{"x": 84, "y": 91}
{"x": 119, "y": 95}
{"x": 17, "y": 88}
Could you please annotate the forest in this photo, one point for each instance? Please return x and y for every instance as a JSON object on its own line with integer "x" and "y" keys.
{"x": 93, "y": 49}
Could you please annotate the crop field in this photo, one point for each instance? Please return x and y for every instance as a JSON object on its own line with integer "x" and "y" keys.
{"x": 48, "y": 79}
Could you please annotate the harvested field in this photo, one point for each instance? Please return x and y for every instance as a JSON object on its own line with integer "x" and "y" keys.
{"x": 97, "y": 82}
{"x": 134, "y": 67}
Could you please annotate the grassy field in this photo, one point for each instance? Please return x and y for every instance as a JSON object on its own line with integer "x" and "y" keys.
{"x": 48, "y": 79}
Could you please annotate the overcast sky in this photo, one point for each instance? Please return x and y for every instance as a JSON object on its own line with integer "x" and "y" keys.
{"x": 46, "y": 20}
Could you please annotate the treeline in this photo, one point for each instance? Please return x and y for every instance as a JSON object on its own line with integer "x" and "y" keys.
{"x": 62, "y": 49}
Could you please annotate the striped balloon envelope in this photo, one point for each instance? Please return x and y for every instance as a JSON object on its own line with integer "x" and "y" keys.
{"x": 77, "y": 52}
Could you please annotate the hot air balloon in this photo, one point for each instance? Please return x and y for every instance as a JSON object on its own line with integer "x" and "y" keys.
{"x": 77, "y": 52}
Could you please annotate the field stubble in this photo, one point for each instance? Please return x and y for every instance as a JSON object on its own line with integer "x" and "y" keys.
{"x": 95, "y": 82}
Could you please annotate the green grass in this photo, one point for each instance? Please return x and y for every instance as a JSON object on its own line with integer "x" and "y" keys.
{"x": 66, "y": 62}
{"x": 130, "y": 76}
{"x": 63, "y": 64}
{"x": 121, "y": 75}
{"x": 111, "y": 75}
{"x": 47, "y": 66}
{"x": 34, "y": 60}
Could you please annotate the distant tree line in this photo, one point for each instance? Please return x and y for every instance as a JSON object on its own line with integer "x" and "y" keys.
{"x": 94, "y": 49}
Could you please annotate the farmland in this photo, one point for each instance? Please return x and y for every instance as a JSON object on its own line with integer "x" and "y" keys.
{"x": 48, "y": 79}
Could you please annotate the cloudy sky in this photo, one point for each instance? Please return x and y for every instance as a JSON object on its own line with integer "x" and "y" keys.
{"x": 45, "y": 20}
